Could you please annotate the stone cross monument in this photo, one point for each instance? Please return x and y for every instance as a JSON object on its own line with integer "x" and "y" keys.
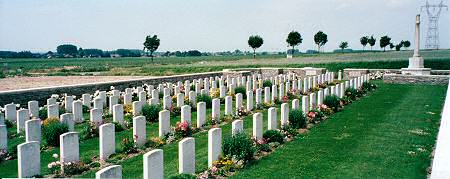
{"x": 415, "y": 66}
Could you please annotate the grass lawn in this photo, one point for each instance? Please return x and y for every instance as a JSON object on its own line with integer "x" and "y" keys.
{"x": 390, "y": 134}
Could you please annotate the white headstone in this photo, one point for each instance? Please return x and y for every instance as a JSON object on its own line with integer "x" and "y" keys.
{"x": 257, "y": 126}
{"x": 237, "y": 126}
{"x": 249, "y": 100}
{"x": 110, "y": 172}
{"x": 113, "y": 100}
{"x": 272, "y": 119}
{"x": 267, "y": 94}
{"x": 228, "y": 105}
{"x": 295, "y": 104}
{"x": 137, "y": 108}
{"x": 238, "y": 101}
{"x": 139, "y": 130}
{"x": 164, "y": 122}
{"x": 118, "y": 114}
{"x": 67, "y": 119}
{"x": 96, "y": 115}
{"x": 29, "y": 159}
{"x": 201, "y": 114}
{"x": 284, "y": 114}
{"x": 107, "y": 140}
{"x": 305, "y": 104}
{"x": 69, "y": 147}
{"x": 186, "y": 155}
{"x": 53, "y": 111}
{"x": 153, "y": 164}
{"x": 77, "y": 111}
{"x": 33, "y": 106}
{"x": 32, "y": 130}
{"x": 167, "y": 102}
{"x": 216, "y": 109}
{"x": 192, "y": 98}
{"x": 68, "y": 100}
{"x": 3, "y": 137}
{"x": 312, "y": 101}
{"x": 23, "y": 115}
{"x": 186, "y": 114}
{"x": 86, "y": 98}
{"x": 214, "y": 145}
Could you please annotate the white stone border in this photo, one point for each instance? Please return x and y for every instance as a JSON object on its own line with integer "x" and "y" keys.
{"x": 441, "y": 161}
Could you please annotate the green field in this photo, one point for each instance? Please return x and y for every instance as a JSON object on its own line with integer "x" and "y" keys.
{"x": 438, "y": 60}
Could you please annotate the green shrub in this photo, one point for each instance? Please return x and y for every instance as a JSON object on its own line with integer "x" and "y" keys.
{"x": 118, "y": 127}
{"x": 151, "y": 112}
{"x": 242, "y": 90}
{"x": 333, "y": 102}
{"x": 205, "y": 98}
{"x": 85, "y": 109}
{"x": 273, "y": 136}
{"x": 51, "y": 130}
{"x": 351, "y": 93}
{"x": 183, "y": 176}
{"x": 240, "y": 146}
{"x": 368, "y": 86}
{"x": 267, "y": 83}
{"x": 89, "y": 130}
{"x": 43, "y": 113}
{"x": 161, "y": 94}
{"x": 297, "y": 119}
{"x": 9, "y": 124}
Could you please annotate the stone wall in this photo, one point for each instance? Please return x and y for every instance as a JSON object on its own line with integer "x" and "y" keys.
{"x": 42, "y": 94}
{"x": 412, "y": 79}
{"x": 352, "y": 72}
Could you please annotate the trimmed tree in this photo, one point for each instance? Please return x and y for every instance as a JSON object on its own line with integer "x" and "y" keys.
{"x": 384, "y": 42}
{"x": 371, "y": 42}
{"x": 255, "y": 41}
{"x": 406, "y": 44}
{"x": 294, "y": 38}
{"x": 343, "y": 46}
{"x": 320, "y": 39}
{"x": 364, "y": 41}
{"x": 151, "y": 44}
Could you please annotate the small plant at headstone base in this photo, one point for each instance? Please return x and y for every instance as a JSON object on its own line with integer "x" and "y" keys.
{"x": 296, "y": 119}
{"x": 267, "y": 105}
{"x": 91, "y": 130}
{"x": 183, "y": 176}
{"x": 315, "y": 116}
{"x": 155, "y": 142}
{"x": 273, "y": 136}
{"x": 127, "y": 146}
{"x": 205, "y": 98}
{"x": 43, "y": 112}
{"x": 128, "y": 118}
{"x": 368, "y": 86}
{"x": 161, "y": 94}
{"x": 291, "y": 94}
{"x": 242, "y": 90}
{"x": 118, "y": 127}
{"x": 325, "y": 109}
{"x": 228, "y": 118}
{"x": 323, "y": 85}
{"x": 175, "y": 111}
{"x": 222, "y": 168}
{"x": 107, "y": 117}
{"x": 151, "y": 112}
{"x": 239, "y": 146}
{"x": 346, "y": 100}
{"x": 242, "y": 111}
{"x": 135, "y": 97}
{"x": 128, "y": 109}
{"x": 9, "y": 124}
{"x": 276, "y": 101}
{"x": 182, "y": 130}
{"x": 267, "y": 83}
{"x": 85, "y": 109}
{"x": 5, "y": 155}
{"x": 333, "y": 102}
{"x": 351, "y": 93}
{"x": 285, "y": 99}
{"x": 192, "y": 87}
{"x": 315, "y": 89}
{"x": 59, "y": 169}
{"x": 214, "y": 93}
{"x": 261, "y": 145}
{"x": 289, "y": 132}
{"x": 304, "y": 93}
{"x": 62, "y": 110}
{"x": 51, "y": 130}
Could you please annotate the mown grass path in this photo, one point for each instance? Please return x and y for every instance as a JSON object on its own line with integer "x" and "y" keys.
{"x": 390, "y": 134}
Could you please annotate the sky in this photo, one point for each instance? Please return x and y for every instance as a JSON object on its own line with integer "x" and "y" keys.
{"x": 206, "y": 25}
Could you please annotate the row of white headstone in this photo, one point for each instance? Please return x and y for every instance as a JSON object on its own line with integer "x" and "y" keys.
{"x": 107, "y": 140}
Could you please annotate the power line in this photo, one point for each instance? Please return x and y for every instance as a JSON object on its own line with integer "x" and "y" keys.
{"x": 433, "y": 12}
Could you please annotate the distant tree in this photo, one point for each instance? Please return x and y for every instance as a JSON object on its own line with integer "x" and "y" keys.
{"x": 343, "y": 46}
{"x": 391, "y": 46}
{"x": 193, "y": 53}
{"x": 67, "y": 49}
{"x": 91, "y": 52}
{"x": 371, "y": 42}
{"x": 151, "y": 44}
{"x": 364, "y": 41}
{"x": 294, "y": 38}
{"x": 398, "y": 47}
{"x": 406, "y": 44}
{"x": 384, "y": 42}
{"x": 128, "y": 53}
{"x": 255, "y": 41}
{"x": 320, "y": 39}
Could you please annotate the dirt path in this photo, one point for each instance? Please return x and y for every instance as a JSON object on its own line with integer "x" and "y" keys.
{"x": 15, "y": 83}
